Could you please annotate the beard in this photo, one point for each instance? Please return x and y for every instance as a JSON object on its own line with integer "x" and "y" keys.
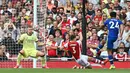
{"x": 10, "y": 29}
{"x": 30, "y": 33}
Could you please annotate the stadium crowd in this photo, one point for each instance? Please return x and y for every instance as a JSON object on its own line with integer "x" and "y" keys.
{"x": 64, "y": 18}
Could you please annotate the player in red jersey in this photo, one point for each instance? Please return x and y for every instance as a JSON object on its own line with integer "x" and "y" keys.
{"x": 83, "y": 60}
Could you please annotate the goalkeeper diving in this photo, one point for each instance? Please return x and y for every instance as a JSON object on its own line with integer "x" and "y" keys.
{"x": 29, "y": 50}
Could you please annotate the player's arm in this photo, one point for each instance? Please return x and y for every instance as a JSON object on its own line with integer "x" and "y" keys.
{"x": 40, "y": 43}
{"x": 21, "y": 39}
{"x": 121, "y": 30}
{"x": 103, "y": 24}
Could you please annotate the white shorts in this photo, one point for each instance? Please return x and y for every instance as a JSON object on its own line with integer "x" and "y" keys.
{"x": 83, "y": 61}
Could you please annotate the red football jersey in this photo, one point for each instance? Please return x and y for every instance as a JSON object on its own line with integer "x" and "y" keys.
{"x": 121, "y": 57}
{"x": 74, "y": 48}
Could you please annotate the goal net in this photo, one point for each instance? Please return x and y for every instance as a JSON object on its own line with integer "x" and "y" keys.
{"x": 41, "y": 20}
{"x": 8, "y": 60}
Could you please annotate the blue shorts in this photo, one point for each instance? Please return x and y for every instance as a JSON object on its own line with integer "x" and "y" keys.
{"x": 110, "y": 42}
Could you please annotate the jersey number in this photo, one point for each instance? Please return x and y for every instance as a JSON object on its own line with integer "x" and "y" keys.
{"x": 113, "y": 25}
{"x": 74, "y": 51}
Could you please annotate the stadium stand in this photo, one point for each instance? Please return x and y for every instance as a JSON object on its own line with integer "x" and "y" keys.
{"x": 64, "y": 18}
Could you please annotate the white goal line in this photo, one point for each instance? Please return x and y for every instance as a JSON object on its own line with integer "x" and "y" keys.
{"x": 15, "y": 58}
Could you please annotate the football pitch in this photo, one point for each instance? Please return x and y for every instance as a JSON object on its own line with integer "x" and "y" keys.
{"x": 8, "y": 70}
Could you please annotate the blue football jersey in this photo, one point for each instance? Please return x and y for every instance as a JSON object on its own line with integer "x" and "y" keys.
{"x": 113, "y": 26}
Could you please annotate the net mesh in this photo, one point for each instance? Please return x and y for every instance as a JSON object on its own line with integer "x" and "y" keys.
{"x": 41, "y": 16}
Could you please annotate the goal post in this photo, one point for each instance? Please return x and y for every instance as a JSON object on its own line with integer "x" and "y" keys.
{"x": 34, "y": 24}
{"x": 39, "y": 10}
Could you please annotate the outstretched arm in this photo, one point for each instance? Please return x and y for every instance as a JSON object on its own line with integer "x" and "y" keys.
{"x": 40, "y": 43}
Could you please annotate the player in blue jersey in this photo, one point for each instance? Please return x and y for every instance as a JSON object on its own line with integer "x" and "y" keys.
{"x": 115, "y": 30}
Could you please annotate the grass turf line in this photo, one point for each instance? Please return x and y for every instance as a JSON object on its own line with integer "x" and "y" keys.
{"x": 64, "y": 71}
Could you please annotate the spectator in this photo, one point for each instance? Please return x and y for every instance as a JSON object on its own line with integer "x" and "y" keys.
{"x": 90, "y": 10}
{"x": 59, "y": 20}
{"x": 120, "y": 55}
{"x": 116, "y": 5}
{"x": 50, "y": 5}
{"x": 50, "y": 15}
{"x": 64, "y": 52}
{"x": 96, "y": 22}
{"x": 9, "y": 43}
{"x": 98, "y": 15}
{"x": 3, "y": 54}
{"x": 125, "y": 36}
{"x": 49, "y": 24}
{"x": 1, "y": 30}
{"x": 54, "y": 12}
{"x": 58, "y": 36}
{"x": 71, "y": 32}
{"x": 61, "y": 11}
{"x": 89, "y": 29}
{"x": 64, "y": 24}
{"x": 76, "y": 31}
{"x": 79, "y": 19}
{"x": 4, "y": 10}
{"x": 128, "y": 40}
{"x": 68, "y": 28}
{"x": 74, "y": 2}
{"x": 63, "y": 2}
{"x": 72, "y": 17}
{"x": 128, "y": 14}
{"x": 92, "y": 43}
{"x": 10, "y": 28}
{"x": 68, "y": 8}
{"x": 10, "y": 6}
{"x": 1, "y": 2}
{"x": 78, "y": 26}
{"x": 51, "y": 46}
{"x": 18, "y": 7}
{"x": 53, "y": 28}
{"x": 64, "y": 15}
{"x": 101, "y": 31}
{"x": 78, "y": 8}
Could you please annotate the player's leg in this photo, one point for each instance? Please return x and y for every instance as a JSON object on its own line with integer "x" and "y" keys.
{"x": 42, "y": 55}
{"x": 110, "y": 43}
{"x": 91, "y": 59}
{"x": 20, "y": 55}
{"x": 36, "y": 53}
{"x": 100, "y": 46}
{"x": 84, "y": 62}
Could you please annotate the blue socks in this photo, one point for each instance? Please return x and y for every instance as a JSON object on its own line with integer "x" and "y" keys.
{"x": 110, "y": 57}
{"x": 99, "y": 47}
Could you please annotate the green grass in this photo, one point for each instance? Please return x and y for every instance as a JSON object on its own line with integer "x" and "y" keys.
{"x": 64, "y": 71}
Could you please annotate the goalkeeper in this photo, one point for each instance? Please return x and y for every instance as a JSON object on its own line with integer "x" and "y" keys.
{"x": 28, "y": 39}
